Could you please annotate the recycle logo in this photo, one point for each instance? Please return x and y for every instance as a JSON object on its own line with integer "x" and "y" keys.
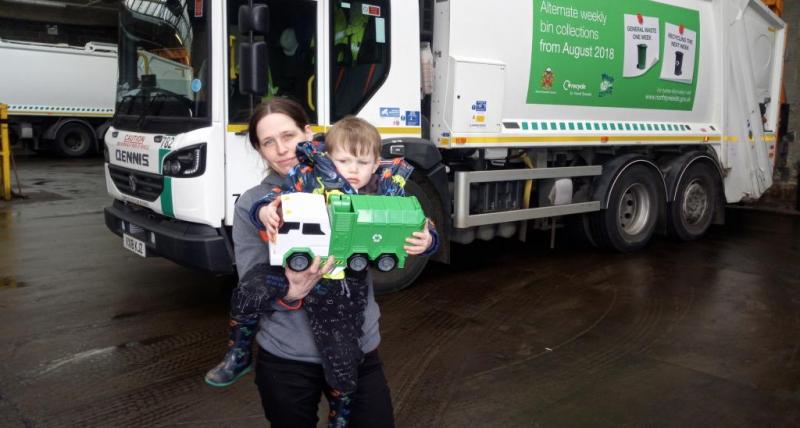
{"x": 377, "y": 238}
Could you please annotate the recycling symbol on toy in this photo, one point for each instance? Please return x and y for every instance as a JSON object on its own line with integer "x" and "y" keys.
{"x": 377, "y": 238}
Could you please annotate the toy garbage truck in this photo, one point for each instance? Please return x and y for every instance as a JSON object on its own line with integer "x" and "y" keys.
{"x": 355, "y": 229}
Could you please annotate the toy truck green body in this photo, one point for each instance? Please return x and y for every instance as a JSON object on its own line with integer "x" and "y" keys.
{"x": 373, "y": 227}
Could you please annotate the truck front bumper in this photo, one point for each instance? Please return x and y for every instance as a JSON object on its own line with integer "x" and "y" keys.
{"x": 193, "y": 245}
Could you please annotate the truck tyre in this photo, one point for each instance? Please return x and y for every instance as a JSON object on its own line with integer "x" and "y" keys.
{"x": 692, "y": 211}
{"x": 386, "y": 262}
{"x": 298, "y": 262}
{"x": 398, "y": 279}
{"x": 74, "y": 140}
{"x": 579, "y": 230}
{"x": 633, "y": 208}
{"x": 589, "y": 234}
{"x": 357, "y": 262}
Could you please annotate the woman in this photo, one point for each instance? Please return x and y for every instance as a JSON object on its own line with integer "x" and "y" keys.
{"x": 289, "y": 375}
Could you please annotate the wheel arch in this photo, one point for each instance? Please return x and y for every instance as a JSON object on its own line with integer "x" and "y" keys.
{"x": 426, "y": 159}
{"x": 613, "y": 170}
{"x": 676, "y": 168}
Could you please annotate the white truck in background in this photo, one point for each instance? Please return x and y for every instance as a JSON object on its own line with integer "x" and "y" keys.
{"x": 632, "y": 117}
{"x": 59, "y": 97}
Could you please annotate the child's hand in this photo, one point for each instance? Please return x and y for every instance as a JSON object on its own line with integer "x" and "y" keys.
{"x": 272, "y": 218}
{"x": 301, "y": 283}
{"x": 419, "y": 242}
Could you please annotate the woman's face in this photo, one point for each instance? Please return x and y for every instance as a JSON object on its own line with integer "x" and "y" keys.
{"x": 278, "y": 136}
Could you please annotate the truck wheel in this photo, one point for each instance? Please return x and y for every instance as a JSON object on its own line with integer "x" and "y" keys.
{"x": 357, "y": 262}
{"x": 691, "y": 213}
{"x": 74, "y": 140}
{"x": 386, "y": 262}
{"x": 398, "y": 279}
{"x": 298, "y": 262}
{"x": 633, "y": 206}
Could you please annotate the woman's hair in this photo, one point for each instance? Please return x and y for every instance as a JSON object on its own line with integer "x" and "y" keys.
{"x": 355, "y": 136}
{"x": 281, "y": 105}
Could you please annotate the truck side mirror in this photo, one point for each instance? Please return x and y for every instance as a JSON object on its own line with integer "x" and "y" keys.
{"x": 253, "y": 59}
{"x": 253, "y": 63}
{"x": 255, "y": 19}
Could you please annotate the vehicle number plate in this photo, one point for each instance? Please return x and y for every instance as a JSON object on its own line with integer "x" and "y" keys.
{"x": 135, "y": 245}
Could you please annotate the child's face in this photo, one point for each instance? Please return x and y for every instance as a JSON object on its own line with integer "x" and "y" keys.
{"x": 357, "y": 170}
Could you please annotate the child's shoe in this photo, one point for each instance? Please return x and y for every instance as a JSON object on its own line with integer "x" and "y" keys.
{"x": 238, "y": 360}
{"x": 339, "y": 404}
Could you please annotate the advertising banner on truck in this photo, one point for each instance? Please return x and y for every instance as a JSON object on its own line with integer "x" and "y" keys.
{"x": 634, "y": 54}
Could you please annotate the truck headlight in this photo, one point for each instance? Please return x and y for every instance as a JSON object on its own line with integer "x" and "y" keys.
{"x": 186, "y": 162}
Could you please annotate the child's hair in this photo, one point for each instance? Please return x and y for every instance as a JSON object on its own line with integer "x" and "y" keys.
{"x": 355, "y": 136}
{"x": 282, "y": 105}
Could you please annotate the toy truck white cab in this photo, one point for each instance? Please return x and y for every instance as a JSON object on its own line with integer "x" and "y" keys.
{"x": 305, "y": 233}
{"x": 635, "y": 117}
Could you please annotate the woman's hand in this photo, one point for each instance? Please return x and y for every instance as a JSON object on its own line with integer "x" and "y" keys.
{"x": 272, "y": 218}
{"x": 419, "y": 242}
{"x": 301, "y": 283}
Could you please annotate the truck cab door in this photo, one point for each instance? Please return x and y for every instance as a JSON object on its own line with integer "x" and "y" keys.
{"x": 295, "y": 70}
{"x": 358, "y": 55}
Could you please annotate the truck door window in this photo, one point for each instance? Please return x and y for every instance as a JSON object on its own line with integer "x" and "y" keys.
{"x": 359, "y": 53}
{"x": 291, "y": 46}
{"x": 288, "y": 227}
{"x": 164, "y": 77}
{"x": 312, "y": 229}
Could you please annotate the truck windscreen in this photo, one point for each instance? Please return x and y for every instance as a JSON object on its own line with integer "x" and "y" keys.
{"x": 164, "y": 60}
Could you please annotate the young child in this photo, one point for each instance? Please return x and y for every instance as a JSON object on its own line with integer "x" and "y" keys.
{"x": 335, "y": 306}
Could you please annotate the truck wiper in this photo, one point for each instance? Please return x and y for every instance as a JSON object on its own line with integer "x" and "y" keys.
{"x": 146, "y": 109}
{"x": 161, "y": 94}
{"x": 129, "y": 99}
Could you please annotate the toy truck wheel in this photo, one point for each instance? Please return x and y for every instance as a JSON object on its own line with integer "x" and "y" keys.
{"x": 74, "y": 140}
{"x": 691, "y": 213}
{"x": 298, "y": 262}
{"x": 386, "y": 262}
{"x": 357, "y": 262}
{"x": 632, "y": 214}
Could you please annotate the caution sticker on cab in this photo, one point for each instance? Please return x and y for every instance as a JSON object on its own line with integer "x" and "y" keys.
{"x": 133, "y": 244}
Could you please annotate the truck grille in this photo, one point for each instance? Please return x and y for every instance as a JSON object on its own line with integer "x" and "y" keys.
{"x": 139, "y": 184}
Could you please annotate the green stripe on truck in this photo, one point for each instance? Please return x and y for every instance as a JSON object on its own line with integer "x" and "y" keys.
{"x": 166, "y": 194}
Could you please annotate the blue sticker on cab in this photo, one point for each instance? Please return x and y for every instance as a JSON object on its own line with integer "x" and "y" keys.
{"x": 197, "y": 85}
{"x": 412, "y": 118}
{"x": 390, "y": 111}
{"x": 479, "y": 106}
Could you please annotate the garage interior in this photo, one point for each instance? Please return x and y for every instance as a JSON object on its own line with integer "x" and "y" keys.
{"x": 509, "y": 334}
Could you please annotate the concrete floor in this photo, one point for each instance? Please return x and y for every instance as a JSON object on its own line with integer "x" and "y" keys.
{"x": 511, "y": 335}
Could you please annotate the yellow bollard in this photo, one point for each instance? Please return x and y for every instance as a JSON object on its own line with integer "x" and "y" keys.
{"x": 5, "y": 153}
